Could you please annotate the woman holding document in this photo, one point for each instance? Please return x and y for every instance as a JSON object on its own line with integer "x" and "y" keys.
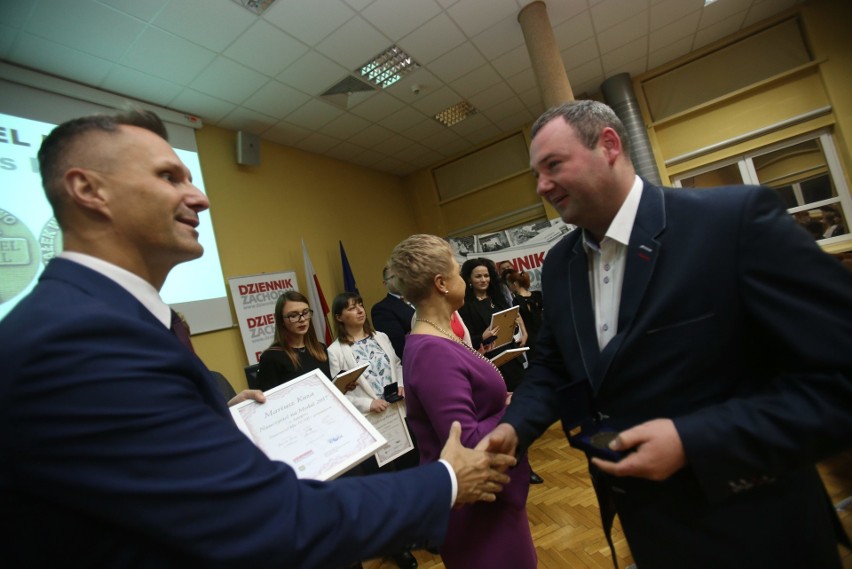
{"x": 446, "y": 381}
{"x": 483, "y": 298}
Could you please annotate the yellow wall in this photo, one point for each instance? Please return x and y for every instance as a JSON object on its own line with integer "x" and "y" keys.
{"x": 261, "y": 213}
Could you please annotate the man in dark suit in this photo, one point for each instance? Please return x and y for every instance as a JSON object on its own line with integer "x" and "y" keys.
{"x": 392, "y": 315}
{"x": 711, "y": 333}
{"x": 116, "y": 448}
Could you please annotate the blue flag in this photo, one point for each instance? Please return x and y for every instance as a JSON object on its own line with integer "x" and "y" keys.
{"x": 348, "y": 277}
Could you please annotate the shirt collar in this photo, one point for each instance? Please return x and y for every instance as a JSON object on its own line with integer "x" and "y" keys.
{"x": 622, "y": 224}
{"x": 141, "y": 289}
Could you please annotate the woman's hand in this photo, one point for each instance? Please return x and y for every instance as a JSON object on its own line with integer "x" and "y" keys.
{"x": 401, "y": 391}
{"x": 378, "y": 405}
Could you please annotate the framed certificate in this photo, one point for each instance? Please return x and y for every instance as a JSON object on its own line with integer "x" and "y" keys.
{"x": 508, "y": 356}
{"x": 505, "y": 319}
{"x": 310, "y": 425}
{"x": 391, "y": 424}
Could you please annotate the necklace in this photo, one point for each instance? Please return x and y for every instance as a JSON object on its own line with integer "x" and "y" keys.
{"x": 455, "y": 338}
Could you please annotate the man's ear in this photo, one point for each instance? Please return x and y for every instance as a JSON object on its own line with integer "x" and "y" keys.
{"x": 84, "y": 188}
{"x": 610, "y": 143}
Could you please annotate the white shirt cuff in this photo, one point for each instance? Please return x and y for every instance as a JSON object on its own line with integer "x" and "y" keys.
{"x": 454, "y": 483}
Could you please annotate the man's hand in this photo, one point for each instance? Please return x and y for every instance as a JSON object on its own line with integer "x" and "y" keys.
{"x": 502, "y": 439}
{"x": 246, "y": 395}
{"x": 480, "y": 474}
{"x": 659, "y": 451}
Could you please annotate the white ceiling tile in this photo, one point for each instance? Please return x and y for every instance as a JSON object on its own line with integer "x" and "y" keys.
{"x": 513, "y": 118}
{"x": 433, "y": 39}
{"x": 423, "y": 129}
{"x": 345, "y": 126}
{"x": 624, "y": 32}
{"x": 426, "y": 82}
{"x": 318, "y": 143}
{"x": 402, "y": 120}
{"x": 398, "y": 18}
{"x": 669, "y": 11}
{"x": 98, "y": 29}
{"x": 313, "y": 73}
{"x": 589, "y": 71}
{"x": 763, "y": 9}
{"x": 146, "y": 10}
{"x": 354, "y": 44}
{"x": 265, "y": 48}
{"x": 632, "y": 68}
{"x": 211, "y": 24}
{"x": 500, "y": 38}
{"x": 7, "y": 39}
{"x": 562, "y": 10}
{"x": 574, "y": 31}
{"x": 210, "y": 109}
{"x": 484, "y": 134}
{"x": 154, "y": 53}
{"x": 532, "y": 99}
{"x": 670, "y": 52}
{"x": 447, "y": 3}
{"x": 512, "y": 62}
{"x": 471, "y": 124}
{"x": 523, "y": 81}
{"x": 389, "y": 143}
{"x": 718, "y": 30}
{"x": 475, "y": 81}
{"x": 453, "y": 64}
{"x": 418, "y": 154}
{"x": 493, "y": 96}
{"x": 674, "y": 32}
{"x": 472, "y": 18}
{"x": 358, "y": 5}
{"x": 309, "y": 20}
{"x": 276, "y": 100}
{"x": 286, "y": 133}
{"x": 616, "y": 58}
{"x": 719, "y": 11}
{"x": 313, "y": 114}
{"x": 374, "y": 136}
{"x": 437, "y": 101}
{"x": 370, "y": 159}
{"x": 144, "y": 87}
{"x": 226, "y": 79}
{"x": 39, "y": 53}
{"x": 440, "y": 140}
{"x": 378, "y": 107}
{"x": 245, "y": 119}
{"x": 581, "y": 53}
{"x": 610, "y": 12}
{"x": 345, "y": 151}
{"x": 507, "y": 107}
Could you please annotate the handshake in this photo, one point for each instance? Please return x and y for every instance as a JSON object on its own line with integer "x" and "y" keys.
{"x": 480, "y": 472}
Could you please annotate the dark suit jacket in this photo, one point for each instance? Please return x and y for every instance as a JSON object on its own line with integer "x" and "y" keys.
{"x": 734, "y": 324}
{"x": 118, "y": 451}
{"x": 392, "y": 316}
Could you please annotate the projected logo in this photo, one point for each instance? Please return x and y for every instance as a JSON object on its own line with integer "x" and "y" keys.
{"x": 50, "y": 240}
{"x": 19, "y": 256}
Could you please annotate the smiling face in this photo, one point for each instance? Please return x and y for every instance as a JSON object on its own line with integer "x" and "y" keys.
{"x": 577, "y": 181}
{"x": 147, "y": 194}
{"x": 480, "y": 279}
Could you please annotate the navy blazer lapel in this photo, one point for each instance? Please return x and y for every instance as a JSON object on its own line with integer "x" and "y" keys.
{"x": 582, "y": 310}
{"x": 642, "y": 253}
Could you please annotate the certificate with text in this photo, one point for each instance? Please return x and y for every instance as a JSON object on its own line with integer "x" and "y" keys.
{"x": 391, "y": 424}
{"x": 309, "y": 424}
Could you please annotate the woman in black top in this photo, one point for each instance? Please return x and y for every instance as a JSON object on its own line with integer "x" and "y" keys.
{"x": 295, "y": 350}
{"x": 530, "y": 303}
{"x": 482, "y": 299}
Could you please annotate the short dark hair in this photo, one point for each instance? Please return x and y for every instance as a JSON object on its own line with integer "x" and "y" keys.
{"x": 588, "y": 118}
{"x": 55, "y": 152}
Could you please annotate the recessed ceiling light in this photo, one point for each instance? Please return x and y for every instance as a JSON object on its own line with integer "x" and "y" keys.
{"x": 256, "y": 6}
{"x": 708, "y": 2}
{"x": 455, "y": 114}
{"x": 388, "y": 67}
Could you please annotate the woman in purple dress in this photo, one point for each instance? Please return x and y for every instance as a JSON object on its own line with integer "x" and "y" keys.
{"x": 446, "y": 381}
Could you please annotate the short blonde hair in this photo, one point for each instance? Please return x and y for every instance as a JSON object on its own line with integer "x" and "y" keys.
{"x": 415, "y": 262}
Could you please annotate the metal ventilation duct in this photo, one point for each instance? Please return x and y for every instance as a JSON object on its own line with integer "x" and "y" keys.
{"x": 618, "y": 94}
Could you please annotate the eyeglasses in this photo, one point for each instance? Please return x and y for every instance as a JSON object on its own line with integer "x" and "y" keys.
{"x": 299, "y": 316}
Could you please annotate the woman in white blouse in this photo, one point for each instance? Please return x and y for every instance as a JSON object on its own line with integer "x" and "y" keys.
{"x": 358, "y": 343}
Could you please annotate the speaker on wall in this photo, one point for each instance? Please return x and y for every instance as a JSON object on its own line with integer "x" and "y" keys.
{"x": 248, "y": 148}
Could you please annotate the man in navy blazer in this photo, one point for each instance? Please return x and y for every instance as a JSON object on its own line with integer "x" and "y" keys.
{"x": 116, "y": 450}
{"x": 711, "y": 333}
{"x": 392, "y": 315}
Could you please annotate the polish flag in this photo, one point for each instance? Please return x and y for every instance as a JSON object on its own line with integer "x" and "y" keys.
{"x": 316, "y": 300}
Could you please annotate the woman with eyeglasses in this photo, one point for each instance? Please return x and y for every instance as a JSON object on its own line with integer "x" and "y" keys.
{"x": 295, "y": 350}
